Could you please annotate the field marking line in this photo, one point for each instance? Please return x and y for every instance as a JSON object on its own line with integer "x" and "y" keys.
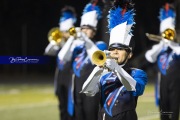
{"x": 149, "y": 117}
{"x": 24, "y": 106}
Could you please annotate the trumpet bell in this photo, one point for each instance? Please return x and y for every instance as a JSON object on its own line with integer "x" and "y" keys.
{"x": 169, "y": 34}
{"x": 55, "y": 35}
{"x": 99, "y": 58}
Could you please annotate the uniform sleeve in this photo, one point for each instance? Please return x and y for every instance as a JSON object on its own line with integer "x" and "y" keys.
{"x": 141, "y": 77}
{"x": 91, "y": 85}
{"x": 151, "y": 55}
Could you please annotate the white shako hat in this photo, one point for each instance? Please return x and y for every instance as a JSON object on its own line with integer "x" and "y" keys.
{"x": 120, "y": 22}
{"x": 67, "y": 19}
{"x": 91, "y": 15}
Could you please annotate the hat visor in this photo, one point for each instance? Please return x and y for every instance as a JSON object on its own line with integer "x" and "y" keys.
{"x": 118, "y": 46}
{"x": 88, "y": 27}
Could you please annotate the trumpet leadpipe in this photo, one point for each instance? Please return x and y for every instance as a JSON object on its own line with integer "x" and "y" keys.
{"x": 153, "y": 37}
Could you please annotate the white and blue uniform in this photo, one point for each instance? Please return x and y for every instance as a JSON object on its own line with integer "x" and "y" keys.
{"x": 167, "y": 56}
{"x": 119, "y": 89}
{"x": 115, "y": 99}
{"x": 66, "y": 83}
{"x": 86, "y": 108}
{"x": 76, "y": 51}
{"x": 169, "y": 65}
{"x": 166, "y": 59}
{"x": 61, "y": 78}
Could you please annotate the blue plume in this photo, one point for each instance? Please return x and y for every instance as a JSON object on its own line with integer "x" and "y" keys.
{"x": 101, "y": 45}
{"x": 90, "y": 7}
{"x": 165, "y": 14}
{"x": 66, "y": 15}
{"x": 115, "y": 17}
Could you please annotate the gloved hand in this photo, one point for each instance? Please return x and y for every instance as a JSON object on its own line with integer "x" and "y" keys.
{"x": 79, "y": 34}
{"x": 111, "y": 64}
{"x": 122, "y": 75}
{"x": 151, "y": 55}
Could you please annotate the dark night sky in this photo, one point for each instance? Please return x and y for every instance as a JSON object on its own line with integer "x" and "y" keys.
{"x": 24, "y": 25}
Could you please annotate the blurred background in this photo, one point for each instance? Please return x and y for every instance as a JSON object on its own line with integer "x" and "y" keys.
{"x": 26, "y": 91}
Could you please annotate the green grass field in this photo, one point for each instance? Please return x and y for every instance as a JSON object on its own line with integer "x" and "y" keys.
{"x": 37, "y": 102}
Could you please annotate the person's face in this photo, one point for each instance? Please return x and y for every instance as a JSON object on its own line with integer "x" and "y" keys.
{"x": 121, "y": 55}
{"x": 89, "y": 32}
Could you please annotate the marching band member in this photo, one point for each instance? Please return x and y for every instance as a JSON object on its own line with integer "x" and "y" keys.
{"x": 79, "y": 49}
{"x": 86, "y": 108}
{"x": 118, "y": 84}
{"x": 57, "y": 36}
{"x": 167, "y": 55}
{"x": 64, "y": 76}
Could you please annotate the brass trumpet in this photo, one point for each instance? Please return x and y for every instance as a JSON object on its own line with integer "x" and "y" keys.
{"x": 72, "y": 31}
{"x": 168, "y": 34}
{"x": 55, "y": 35}
{"x": 99, "y": 58}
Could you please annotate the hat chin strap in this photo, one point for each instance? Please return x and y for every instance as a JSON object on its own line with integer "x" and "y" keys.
{"x": 125, "y": 60}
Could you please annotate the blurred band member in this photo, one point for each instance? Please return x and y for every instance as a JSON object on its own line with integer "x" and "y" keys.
{"x": 167, "y": 55}
{"x": 86, "y": 108}
{"x": 79, "y": 49}
{"x": 63, "y": 74}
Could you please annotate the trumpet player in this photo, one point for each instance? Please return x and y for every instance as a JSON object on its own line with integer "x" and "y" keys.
{"x": 119, "y": 85}
{"x": 63, "y": 77}
{"x": 57, "y": 36}
{"x": 79, "y": 49}
{"x": 167, "y": 56}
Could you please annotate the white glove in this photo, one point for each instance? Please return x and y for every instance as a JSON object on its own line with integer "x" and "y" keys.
{"x": 111, "y": 64}
{"x": 52, "y": 49}
{"x": 65, "y": 53}
{"x": 89, "y": 44}
{"x": 79, "y": 34}
{"x": 123, "y": 76}
{"x": 151, "y": 55}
